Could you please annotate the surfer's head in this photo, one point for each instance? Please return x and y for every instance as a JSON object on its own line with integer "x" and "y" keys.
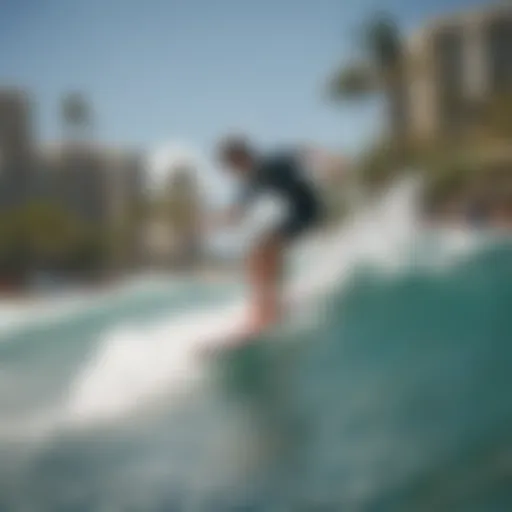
{"x": 236, "y": 154}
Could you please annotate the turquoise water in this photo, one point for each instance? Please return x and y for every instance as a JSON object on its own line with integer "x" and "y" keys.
{"x": 395, "y": 398}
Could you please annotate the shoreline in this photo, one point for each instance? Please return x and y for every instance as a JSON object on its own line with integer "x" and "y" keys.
{"x": 14, "y": 297}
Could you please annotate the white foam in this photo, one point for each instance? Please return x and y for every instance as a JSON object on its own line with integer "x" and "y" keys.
{"x": 135, "y": 363}
{"x": 45, "y": 309}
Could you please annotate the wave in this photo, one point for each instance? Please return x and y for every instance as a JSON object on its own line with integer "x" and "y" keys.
{"x": 134, "y": 364}
{"x": 48, "y": 309}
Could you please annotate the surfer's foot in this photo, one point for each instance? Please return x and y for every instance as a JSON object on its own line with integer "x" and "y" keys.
{"x": 259, "y": 322}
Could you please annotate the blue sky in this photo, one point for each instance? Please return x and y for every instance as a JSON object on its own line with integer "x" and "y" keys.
{"x": 191, "y": 70}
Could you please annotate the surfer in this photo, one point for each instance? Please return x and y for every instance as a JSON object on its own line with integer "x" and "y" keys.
{"x": 284, "y": 176}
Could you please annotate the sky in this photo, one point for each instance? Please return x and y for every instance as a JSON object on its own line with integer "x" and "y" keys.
{"x": 181, "y": 73}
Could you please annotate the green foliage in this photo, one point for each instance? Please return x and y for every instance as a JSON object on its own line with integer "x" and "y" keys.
{"x": 383, "y": 42}
{"x": 13, "y": 247}
{"x": 353, "y": 82}
{"x": 452, "y": 169}
{"x": 44, "y": 235}
{"x": 447, "y": 181}
{"x": 178, "y": 206}
{"x": 383, "y": 162}
{"x": 75, "y": 110}
{"x": 76, "y": 116}
{"x": 50, "y": 230}
{"x": 381, "y": 70}
{"x": 498, "y": 115}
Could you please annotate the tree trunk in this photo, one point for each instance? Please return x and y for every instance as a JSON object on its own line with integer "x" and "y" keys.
{"x": 396, "y": 99}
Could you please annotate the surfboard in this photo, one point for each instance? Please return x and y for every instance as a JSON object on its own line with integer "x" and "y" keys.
{"x": 232, "y": 334}
{"x": 235, "y": 337}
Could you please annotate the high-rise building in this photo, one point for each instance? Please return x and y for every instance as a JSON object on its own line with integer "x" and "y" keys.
{"x": 101, "y": 186}
{"x": 454, "y": 64}
{"x": 74, "y": 177}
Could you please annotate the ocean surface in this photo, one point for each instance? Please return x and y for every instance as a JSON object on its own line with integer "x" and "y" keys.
{"x": 388, "y": 390}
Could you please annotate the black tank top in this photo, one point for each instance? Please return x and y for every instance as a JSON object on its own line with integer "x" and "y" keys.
{"x": 283, "y": 175}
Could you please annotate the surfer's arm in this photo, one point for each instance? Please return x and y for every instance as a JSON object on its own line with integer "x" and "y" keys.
{"x": 234, "y": 213}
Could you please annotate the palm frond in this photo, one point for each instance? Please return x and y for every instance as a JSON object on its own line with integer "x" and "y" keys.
{"x": 354, "y": 81}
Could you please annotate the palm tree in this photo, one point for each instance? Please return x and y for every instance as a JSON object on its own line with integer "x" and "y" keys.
{"x": 14, "y": 254}
{"x": 52, "y": 232}
{"x": 183, "y": 208}
{"x": 76, "y": 115}
{"x": 380, "y": 70}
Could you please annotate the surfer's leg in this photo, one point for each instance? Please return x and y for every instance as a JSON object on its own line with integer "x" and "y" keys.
{"x": 265, "y": 267}
{"x": 265, "y": 273}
